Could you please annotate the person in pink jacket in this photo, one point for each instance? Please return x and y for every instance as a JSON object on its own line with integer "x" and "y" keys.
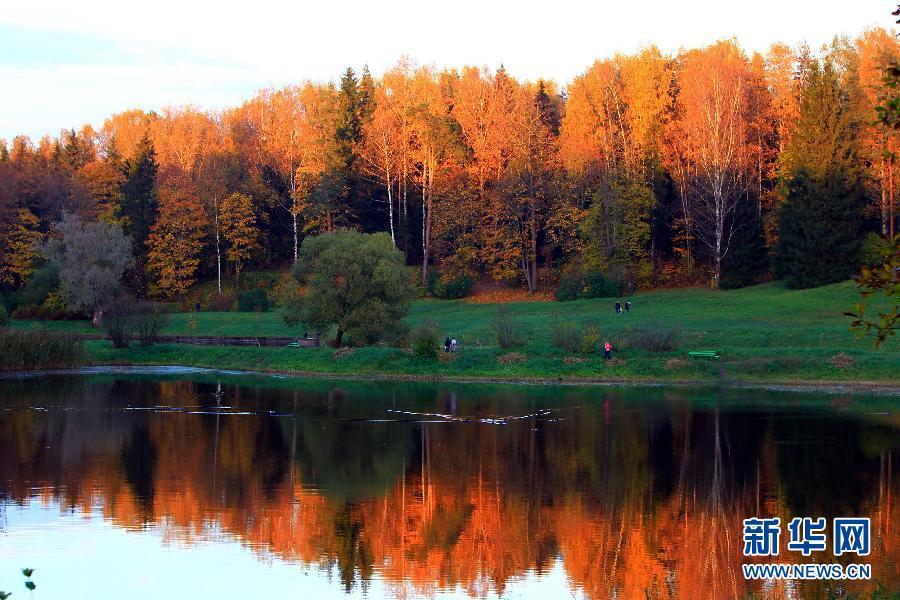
{"x": 607, "y": 350}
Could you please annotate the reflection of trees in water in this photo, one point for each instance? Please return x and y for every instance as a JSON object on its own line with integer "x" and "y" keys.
{"x": 635, "y": 501}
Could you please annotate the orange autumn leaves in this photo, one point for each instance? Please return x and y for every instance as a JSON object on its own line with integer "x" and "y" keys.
{"x": 475, "y": 172}
{"x": 174, "y": 243}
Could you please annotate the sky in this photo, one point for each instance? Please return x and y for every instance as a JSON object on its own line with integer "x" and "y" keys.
{"x": 64, "y": 63}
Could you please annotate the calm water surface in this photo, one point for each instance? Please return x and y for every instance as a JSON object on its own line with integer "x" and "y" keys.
{"x": 220, "y": 486}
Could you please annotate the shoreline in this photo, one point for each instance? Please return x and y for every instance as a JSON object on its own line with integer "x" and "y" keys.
{"x": 827, "y": 386}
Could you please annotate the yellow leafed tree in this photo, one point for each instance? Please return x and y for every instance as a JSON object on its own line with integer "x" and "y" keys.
{"x": 19, "y": 252}
{"x": 239, "y": 229}
{"x": 175, "y": 243}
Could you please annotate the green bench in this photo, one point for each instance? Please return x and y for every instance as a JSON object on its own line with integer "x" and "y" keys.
{"x": 704, "y": 354}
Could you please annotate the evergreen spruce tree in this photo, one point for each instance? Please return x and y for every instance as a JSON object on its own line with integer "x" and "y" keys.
{"x": 352, "y": 193}
{"x": 139, "y": 206}
{"x": 747, "y": 260}
{"x": 821, "y": 217}
{"x": 549, "y": 112}
{"x": 348, "y": 130}
{"x": 72, "y": 155}
{"x": 366, "y": 96}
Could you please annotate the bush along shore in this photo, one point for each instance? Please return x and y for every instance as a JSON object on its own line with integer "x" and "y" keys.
{"x": 39, "y": 349}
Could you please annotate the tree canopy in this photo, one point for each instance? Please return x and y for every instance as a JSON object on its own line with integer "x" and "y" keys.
{"x": 91, "y": 258}
{"x": 656, "y": 169}
{"x": 354, "y": 281}
{"x": 821, "y": 217}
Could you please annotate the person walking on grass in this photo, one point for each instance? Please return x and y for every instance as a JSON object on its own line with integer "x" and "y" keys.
{"x": 453, "y": 345}
{"x": 618, "y": 307}
{"x": 607, "y": 350}
{"x": 447, "y": 345}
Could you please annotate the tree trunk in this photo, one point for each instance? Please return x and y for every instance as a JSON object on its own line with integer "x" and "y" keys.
{"x": 387, "y": 170}
{"x": 338, "y": 337}
{"x": 296, "y": 235}
{"x": 534, "y": 281}
{"x": 426, "y": 218}
{"x": 884, "y": 199}
{"x": 218, "y": 248}
{"x": 890, "y": 191}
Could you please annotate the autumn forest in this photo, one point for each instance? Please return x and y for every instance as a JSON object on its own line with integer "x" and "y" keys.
{"x": 656, "y": 170}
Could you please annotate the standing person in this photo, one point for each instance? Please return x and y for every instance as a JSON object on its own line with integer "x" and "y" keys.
{"x": 627, "y": 306}
{"x": 618, "y": 307}
{"x": 447, "y": 344}
{"x": 453, "y": 345}
{"x": 607, "y": 350}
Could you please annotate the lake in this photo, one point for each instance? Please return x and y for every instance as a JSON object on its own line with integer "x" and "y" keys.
{"x": 216, "y": 485}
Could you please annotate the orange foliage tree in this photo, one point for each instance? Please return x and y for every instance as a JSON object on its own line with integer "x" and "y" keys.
{"x": 240, "y": 231}
{"x": 175, "y": 242}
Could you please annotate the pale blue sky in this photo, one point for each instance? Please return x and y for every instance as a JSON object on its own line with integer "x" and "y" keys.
{"x": 66, "y": 63}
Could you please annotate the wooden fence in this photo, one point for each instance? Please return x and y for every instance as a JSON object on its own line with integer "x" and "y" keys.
{"x": 216, "y": 340}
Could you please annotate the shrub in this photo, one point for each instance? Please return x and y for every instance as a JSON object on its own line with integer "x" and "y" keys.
{"x": 590, "y": 339}
{"x": 652, "y": 338}
{"x": 593, "y": 284}
{"x": 44, "y": 314}
{"x": 260, "y": 280}
{"x": 41, "y": 283}
{"x": 511, "y": 358}
{"x": 398, "y": 336}
{"x": 569, "y": 288}
{"x": 253, "y": 301}
{"x": 342, "y": 353}
{"x": 566, "y": 336}
{"x": 292, "y": 311}
{"x": 509, "y": 330}
{"x": 576, "y": 337}
{"x": 452, "y": 288}
{"x": 874, "y": 249}
{"x": 283, "y": 291}
{"x": 426, "y": 340}
{"x": 38, "y": 349}
{"x": 149, "y": 320}
{"x": 598, "y": 285}
{"x": 841, "y": 360}
{"x": 415, "y": 282}
{"x": 127, "y": 318}
{"x": 673, "y": 364}
{"x": 118, "y": 321}
{"x": 221, "y": 302}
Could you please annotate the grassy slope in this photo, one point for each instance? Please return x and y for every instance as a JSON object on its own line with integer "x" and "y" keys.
{"x": 765, "y": 333}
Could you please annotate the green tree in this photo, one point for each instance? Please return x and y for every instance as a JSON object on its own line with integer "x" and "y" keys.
{"x": 617, "y": 229}
{"x": 140, "y": 205}
{"x": 821, "y": 216}
{"x": 882, "y": 277}
{"x": 355, "y": 281}
{"x": 747, "y": 258}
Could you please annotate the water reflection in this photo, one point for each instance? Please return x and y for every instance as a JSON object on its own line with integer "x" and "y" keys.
{"x": 422, "y": 489}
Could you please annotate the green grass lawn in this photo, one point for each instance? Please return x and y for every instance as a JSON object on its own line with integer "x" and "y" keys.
{"x": 765, "y": 333}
